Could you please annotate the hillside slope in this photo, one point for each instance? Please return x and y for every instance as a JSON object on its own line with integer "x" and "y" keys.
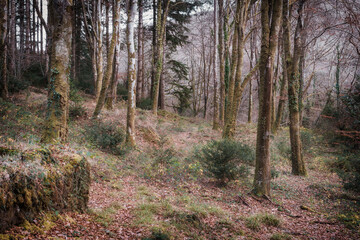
{"x": 159, "y": 191}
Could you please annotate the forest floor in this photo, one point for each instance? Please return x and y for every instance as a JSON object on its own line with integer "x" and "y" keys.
{"x": 157, "y": 191}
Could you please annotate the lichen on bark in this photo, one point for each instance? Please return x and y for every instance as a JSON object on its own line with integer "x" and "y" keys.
{"x": 56, "y": 127}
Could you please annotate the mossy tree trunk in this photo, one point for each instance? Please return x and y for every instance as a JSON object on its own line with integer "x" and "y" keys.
{"x": 292, "y": 63}
{"x": 140, "y": 69}
{"x": 215, "y": 100}
{"x": 270, "y": 21}
{"x": 252, "y": 59}
{"x": 3, "y": 55}
{"x": 112, "y": 89}
{"x": 94, "y": 36}
{"x": 130, "y": 123}
{"x": 283, "y": 97}
{"x": 56, "y": 127}
{"x": 109, "y": 65}
{"x": 236, "y": 87}
{"x": 159, "y": 48}
{"x": 221, "y": 63}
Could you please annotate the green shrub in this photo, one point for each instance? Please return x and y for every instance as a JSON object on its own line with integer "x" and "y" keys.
{"x": 157, "y": 235}
{"x": 253, "y": 223}
{"x": 106, "y": 136}
{"x": 17, "y": 84}
{"x": 284, "y": 148}
{"x": 145, "y": 104}
{"x": 274, "y": 173}
{"x": 76, "y": 111}
{"x": 306, "y": 139}
{"x": 122, "y": 91}
{"x": 270, "y": 220}
{"x": 226, "y": 160}
{"x": 348, "y": 168}
{"x": 35, "y": 75}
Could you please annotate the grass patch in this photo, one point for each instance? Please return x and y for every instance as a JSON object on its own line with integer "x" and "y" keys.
{"x": 204, "y": 210}
{"x": 254, "y": 222}
{"x": 280, "y": 236}
{"x": 105, "y": 216}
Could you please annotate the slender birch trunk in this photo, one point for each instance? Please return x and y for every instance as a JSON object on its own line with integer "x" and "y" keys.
{"x": 109, "y": 66}
{"x": 130, "y": 123}
{"x": 111, "y": 93}
{"x": 140, "y": 69}
{"x": 215, "y": 100}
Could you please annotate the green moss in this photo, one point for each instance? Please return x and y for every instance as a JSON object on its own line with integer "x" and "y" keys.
{"x": 5, "y": 237}
{"x": 8, "y": 151}
{"x": 32, "y": 228}
{"x": 28, "y": 194}
{"x": 40, "y": 184}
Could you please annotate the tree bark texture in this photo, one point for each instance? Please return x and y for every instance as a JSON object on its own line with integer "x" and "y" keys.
{"x": 109, "y": 66}
{"x": 292, "y": 63}
{"x": 215, "y": 100}
{"x": 56, "y": 127}
{"x": 130, "y": 123}
{"x": 140, "y": 69}
{"x": 3, "y": 50}
{"x": 270, "y": 21}
{"x": 236, "y": 87}
{"x": 283, "y": 97}
{"x": 221, "y": 63}
{"x": 160, "y": 31}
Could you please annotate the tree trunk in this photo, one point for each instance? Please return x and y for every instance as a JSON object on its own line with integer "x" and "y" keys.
{"x": 236, "y": 88}
{"x": 56, "y": 127}
{"x": 298, "y": 164}
{"x": 269, "y": 41}
{"x": 130, "y": 123}
{"x": 73, "y": 45}
{"x": 140, "y": 69}
{"x": 162, "y": 80}
{"x": 109, "y": 66}
{"x": 13, "y": 38}
{"x": 154, "y": 50}
{"x": 99, "y": 53}
{"x": 252, "y": 58}
{"x": 282, "y": 99}
{"x": 27, "y": 34}
{"x": 34, "y": 43}
{"x": 221, "y": 63}
{"x": 111, "y": 93}
{"x": 215, "y": 100}
{"x": 142, "y": 66}
{"x": 160, "y": 31}
{"x": 3, "y": 50}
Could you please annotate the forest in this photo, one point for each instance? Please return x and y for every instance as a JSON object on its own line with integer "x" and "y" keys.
{"x": 179, "y": 119}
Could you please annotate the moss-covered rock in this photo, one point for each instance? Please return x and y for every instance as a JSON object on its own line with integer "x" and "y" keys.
{"x": 39, "y": 180}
